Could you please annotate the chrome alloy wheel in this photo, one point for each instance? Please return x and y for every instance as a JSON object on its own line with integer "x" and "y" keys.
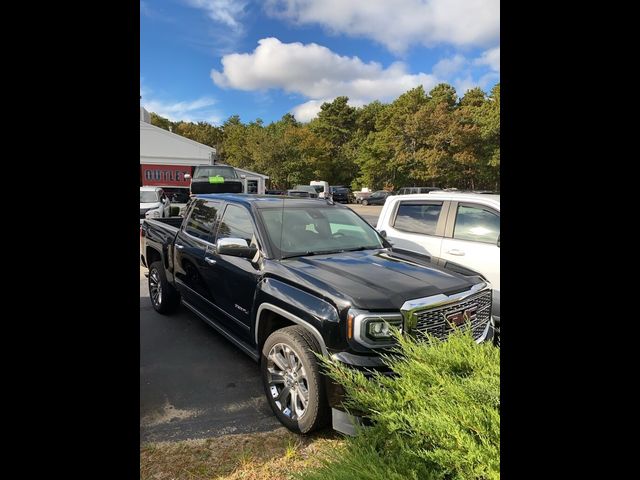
{"x": 155, "y": 287}
{"x": 288, "y": 382}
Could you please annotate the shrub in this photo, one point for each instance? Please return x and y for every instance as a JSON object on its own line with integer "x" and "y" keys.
{"x": 439, "y": 418}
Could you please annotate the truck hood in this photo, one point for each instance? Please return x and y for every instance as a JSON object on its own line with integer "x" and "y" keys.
{"x": 376, "y": 279}
{"x": 149, "y": 206}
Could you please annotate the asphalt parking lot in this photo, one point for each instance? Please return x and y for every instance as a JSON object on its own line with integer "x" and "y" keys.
{"x": 193, "y": 382}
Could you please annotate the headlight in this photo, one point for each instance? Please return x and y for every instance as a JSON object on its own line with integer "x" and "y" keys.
{"x": 372, "y": 329}
{"x": 153, "y": 214}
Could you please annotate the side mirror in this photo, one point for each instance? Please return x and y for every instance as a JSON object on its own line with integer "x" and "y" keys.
{"x": 235, "y": 247}
{"x": 498, "y": 240}
{"x": 383, "y": 233}
{"x": 243, "y": 177}
{"x": 187, "y": 176}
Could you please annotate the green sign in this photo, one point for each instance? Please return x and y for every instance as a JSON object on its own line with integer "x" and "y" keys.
{"x": 216, "y": 179}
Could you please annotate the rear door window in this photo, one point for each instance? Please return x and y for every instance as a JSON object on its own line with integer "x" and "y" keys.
{"x": 418, "y": 217}
{"x": 476, "y": 224}
{"x": 202, "y": 219}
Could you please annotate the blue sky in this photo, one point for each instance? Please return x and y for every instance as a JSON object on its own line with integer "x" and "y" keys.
{"x": 210, "y": 59}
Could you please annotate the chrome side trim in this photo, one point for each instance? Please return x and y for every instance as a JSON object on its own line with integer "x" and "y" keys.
{"x": 223, "y": 331}
{"x": 442, "y": 299}
{"x": 243, "y": 325}
{"x": 294, "y": 319}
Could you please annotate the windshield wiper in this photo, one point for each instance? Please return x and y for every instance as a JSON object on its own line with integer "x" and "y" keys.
{"x": 326, "y": 252}
{"x": 310, "y": 253}
{"x": 358, "y": 249}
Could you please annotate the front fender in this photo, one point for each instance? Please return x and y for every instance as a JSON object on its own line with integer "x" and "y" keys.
{"x": 313, "y": 313}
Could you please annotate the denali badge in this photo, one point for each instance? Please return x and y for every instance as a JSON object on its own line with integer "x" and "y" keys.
{"x": 461, "y": 317}
{"x": 243, "y": 310}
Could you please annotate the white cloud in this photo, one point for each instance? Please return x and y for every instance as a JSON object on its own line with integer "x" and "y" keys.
{"x": 315, "y": 72}
{"x": 320, "y": 75}
{"x": 449, "y": 66}
{"x": 491, "y": 58}
{"x": 398, "y": 24}
{"x": 188, "y": 111}
{"x": 308, "y": 110}
{"x": 228, "y": 12}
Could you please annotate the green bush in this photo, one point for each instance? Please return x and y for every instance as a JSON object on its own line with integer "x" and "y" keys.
{"x": 439, "y": 418}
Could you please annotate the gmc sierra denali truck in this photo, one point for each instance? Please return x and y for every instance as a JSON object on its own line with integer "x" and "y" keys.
{"x": 285, "y": 278}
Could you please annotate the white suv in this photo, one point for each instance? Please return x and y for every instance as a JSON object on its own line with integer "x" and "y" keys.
{"x": 455, "y": 229}
{"x": 154, "y": 203}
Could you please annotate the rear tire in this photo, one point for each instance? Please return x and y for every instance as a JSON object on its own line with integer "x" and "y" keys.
{"x": 290, "y": 370}
{"x": 164, "y": 297}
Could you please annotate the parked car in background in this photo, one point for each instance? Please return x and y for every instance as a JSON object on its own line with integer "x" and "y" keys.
{"x": 154, "y": 203}
{"x": 455, "y": 229}
{"x": 322, "y": 188}
{"x": 299, "y": 193}
{"x": 216, "y": 179}
{"x": 376, "y": 198}
{"x": 341, "y": 194}
{"x": 275, "y": 192}
{"x": 313, "y": 193}
{"x": 414, "y": 190}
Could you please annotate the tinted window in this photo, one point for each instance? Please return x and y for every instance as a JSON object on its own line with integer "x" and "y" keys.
{"x": 294, "y": 231}
{"x": 418, "y": 218}
{"x": 225, "y": 172}
{"x": 201, "y": 220}
{"x": 476, "y": 224}
{"x": 236, "y": 223}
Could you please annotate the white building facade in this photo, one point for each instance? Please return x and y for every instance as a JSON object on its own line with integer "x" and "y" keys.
{"x": 166, "y": 157}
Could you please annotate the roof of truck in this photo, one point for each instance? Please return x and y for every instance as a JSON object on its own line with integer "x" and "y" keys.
{"x": 267, "y": 201}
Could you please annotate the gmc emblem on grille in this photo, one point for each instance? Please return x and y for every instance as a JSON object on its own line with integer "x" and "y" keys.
{"x": 463, "y": 316}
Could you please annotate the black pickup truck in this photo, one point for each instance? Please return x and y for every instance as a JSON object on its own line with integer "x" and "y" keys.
{"x": 284, "y": 277}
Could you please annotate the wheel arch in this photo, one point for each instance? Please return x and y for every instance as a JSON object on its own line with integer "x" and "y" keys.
{"x": 267, "y": 321}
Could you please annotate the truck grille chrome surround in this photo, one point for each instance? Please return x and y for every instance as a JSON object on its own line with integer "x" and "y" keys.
{"x": 439, "y": 315}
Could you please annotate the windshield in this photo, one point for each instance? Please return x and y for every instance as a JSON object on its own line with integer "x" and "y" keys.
{"x": 206, "y": 172}
{"x": 318, "y": 188}
{"x": 149, "y": 196}
{"x": 314, "y": 230}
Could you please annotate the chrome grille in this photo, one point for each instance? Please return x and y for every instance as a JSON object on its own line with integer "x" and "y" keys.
{"x": 433, "y": 320}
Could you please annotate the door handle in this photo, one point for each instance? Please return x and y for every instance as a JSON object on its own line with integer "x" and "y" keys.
{"x": 210, "y": 261}
{"x": 179, "y": 247}
{"x": 456, "y": 252}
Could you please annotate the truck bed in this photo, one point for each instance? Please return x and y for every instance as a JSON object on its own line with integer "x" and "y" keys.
{"x": 159, "y": 235}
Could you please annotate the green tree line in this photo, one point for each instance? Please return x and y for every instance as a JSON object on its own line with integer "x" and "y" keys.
{"x": 419, "y": 139}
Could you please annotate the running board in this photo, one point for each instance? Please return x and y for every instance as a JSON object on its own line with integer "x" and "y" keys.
{"x": 224, "y": 332}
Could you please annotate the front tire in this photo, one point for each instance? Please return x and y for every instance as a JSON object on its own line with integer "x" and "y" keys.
{"x": 164, "y": 297}
{"x": 292, "y": 381}
{"x": 365, "y": 202}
